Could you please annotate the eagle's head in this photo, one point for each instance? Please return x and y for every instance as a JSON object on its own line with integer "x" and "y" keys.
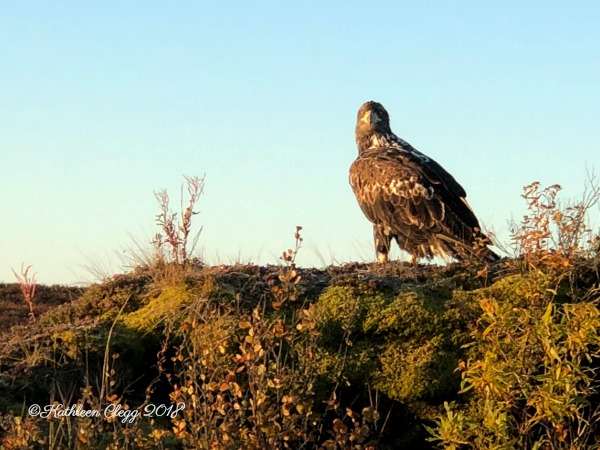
{"x": 373, "y": 122}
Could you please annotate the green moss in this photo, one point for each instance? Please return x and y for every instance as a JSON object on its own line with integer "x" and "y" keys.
{"x": 410, "y": 314}
{"x": 412, "y": 371}
{"x": 515, "y": 289}
{"x": 405, "y": 345}
{"x": 75, "y": 342}
{"x": 159, "y": 309}
{"x": 343, "y": 309}
{"x": 69, "y": 342}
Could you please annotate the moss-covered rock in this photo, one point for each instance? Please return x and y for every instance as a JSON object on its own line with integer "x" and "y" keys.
{"x": 406, "y": 344}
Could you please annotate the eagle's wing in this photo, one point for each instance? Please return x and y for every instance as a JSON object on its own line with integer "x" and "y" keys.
{"x": 448, "y": 189}
{"x": 398, "y": 187}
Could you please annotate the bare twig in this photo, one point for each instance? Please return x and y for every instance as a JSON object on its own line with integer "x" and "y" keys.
{"x": 176, "y": 234}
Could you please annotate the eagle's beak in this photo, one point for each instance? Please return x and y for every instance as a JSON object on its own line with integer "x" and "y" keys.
{"x": 370, "y": 118}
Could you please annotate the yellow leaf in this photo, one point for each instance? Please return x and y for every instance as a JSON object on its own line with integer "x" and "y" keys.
{"x": 552, "y": 352}
{"x": 487, "y": 330}
{"x": 547, "y": 315}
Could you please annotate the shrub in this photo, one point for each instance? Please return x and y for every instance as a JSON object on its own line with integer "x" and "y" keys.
{"x": 531, "y": 376}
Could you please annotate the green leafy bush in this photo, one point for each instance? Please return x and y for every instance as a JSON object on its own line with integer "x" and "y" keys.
{"x": 531, "y": 377}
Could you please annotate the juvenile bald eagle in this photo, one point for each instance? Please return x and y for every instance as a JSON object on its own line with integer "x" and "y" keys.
{"x": 409, "y": 197}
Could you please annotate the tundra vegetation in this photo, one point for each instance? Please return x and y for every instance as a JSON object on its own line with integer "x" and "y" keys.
{"x": 176, "y": 354}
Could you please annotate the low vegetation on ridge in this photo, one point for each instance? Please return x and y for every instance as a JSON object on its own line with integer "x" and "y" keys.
{"x": 175, "y": 354}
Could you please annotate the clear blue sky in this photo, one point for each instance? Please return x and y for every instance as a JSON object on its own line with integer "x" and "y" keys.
{"x": 103, "y": 103}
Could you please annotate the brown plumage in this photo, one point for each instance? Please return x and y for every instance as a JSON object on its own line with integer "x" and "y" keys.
{"x": 409, "y": 197}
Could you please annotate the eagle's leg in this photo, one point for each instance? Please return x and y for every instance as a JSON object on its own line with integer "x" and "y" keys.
{"x": 383, "y": 241}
